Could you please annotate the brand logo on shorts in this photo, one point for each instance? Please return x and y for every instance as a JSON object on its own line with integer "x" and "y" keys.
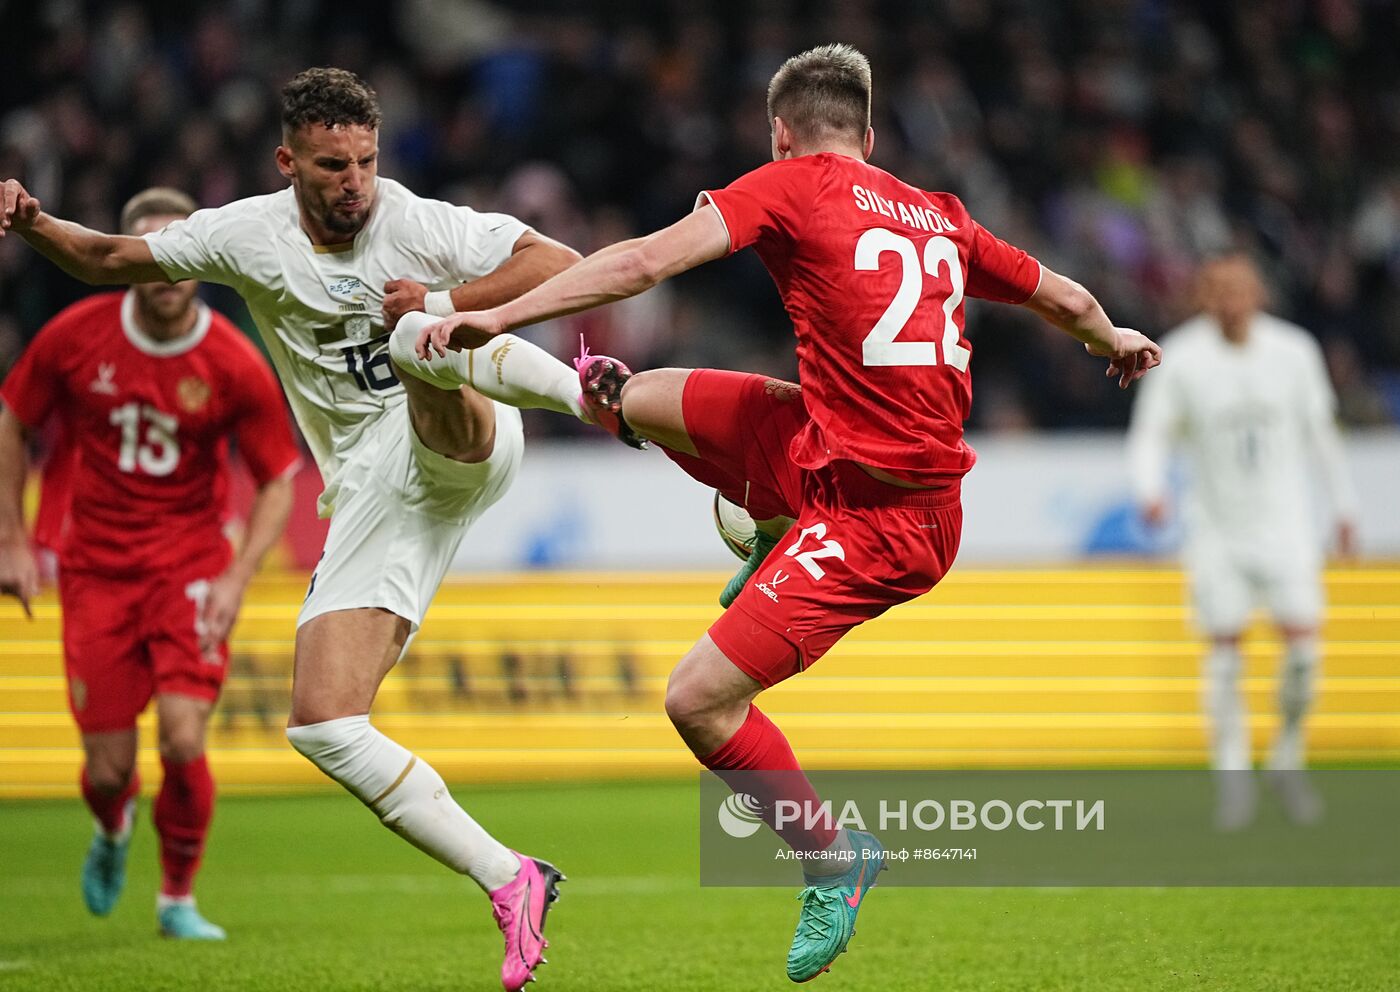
{"x": 767, "y": 588}
{"x": 105, "y": 382}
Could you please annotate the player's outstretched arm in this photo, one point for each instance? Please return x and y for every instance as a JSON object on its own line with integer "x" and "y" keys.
{"x": 19, "y": 575}
{"x": 91, "y": 256}
{"x": 533, "y": 259}
{"x": 614, "y": 273}
{"x": 1073, "y": 309}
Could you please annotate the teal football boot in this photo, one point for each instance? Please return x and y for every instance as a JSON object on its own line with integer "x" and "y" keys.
{"x": 104, "y": 869}
{"x": 183, "y": 921}
{"x": 829, "y": 908}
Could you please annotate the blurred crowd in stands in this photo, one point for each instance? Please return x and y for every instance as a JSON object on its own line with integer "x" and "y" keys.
{"x": 1119, "y": 140}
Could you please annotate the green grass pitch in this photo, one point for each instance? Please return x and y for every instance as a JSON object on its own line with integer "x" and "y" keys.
{"x": 317, "y": 896}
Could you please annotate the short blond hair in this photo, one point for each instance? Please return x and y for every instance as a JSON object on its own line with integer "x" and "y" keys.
{"x": 823, "y": 89}
{"x": 158, "y": 201}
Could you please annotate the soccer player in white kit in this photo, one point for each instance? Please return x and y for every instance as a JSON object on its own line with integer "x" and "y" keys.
{"x": 408, "y": 464}
{"x": 1246, "y": 396}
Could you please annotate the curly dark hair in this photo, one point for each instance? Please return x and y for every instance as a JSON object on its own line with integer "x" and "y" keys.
{"x": 328, "y": 96}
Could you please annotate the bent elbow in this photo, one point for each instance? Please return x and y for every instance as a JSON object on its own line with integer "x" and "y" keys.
{"x": 106, "y": 267}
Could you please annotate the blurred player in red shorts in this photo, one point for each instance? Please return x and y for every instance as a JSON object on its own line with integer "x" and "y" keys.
{"x": 149, "y": 386}
{"x": 867, "y": 456}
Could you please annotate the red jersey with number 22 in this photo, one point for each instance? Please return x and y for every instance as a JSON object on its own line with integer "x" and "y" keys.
{"x": 148, "y": 425}
{"x": 873, "y": 273}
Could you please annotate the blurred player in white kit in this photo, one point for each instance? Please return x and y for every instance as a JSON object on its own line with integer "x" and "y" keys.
{"x": 1247, "y": 399}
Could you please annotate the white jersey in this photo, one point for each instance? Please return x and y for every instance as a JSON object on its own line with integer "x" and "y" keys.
{"x": 1257, "y": 424}
{"x": 318, "y": 307}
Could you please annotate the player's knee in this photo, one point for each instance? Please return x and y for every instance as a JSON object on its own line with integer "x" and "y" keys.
{"x": 110, "y": 777}
{"x": 688, "y": 705}
{"x": 181, "y": 745}
{"x": 403, "y": 342}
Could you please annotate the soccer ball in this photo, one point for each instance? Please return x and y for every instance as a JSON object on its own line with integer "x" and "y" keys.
{"x": 735, "y": 527}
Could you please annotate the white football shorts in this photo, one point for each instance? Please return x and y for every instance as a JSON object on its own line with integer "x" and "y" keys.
{"x": 399, "y": 511}
{"x": 1227, "y": 583}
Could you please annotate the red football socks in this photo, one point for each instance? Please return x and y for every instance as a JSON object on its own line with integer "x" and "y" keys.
{"x": 109, "y": 808}
{"x": 183, "y": 810}
{"x": 760, "y": 747}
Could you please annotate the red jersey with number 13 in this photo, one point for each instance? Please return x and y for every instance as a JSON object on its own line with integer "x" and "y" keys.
{"x": 873, "y": 273}
{"x": 147, "y": 424}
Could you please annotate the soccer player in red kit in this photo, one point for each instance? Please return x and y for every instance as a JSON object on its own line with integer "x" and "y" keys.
{"x": 867, "y": 454}
{"x": 150, "y": 386}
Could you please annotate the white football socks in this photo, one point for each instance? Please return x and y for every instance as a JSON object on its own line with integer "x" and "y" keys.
{"x": 837, "y": 859}
{"x": 510, "y": 370}
{"x": 1295, "y": 695}
{"x": 1229, "y": 724}
{"x": 407, "y": 795}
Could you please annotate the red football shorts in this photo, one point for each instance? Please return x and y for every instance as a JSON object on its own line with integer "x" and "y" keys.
{"x": 859, "y": 545}
{"x": 125, "y": 640}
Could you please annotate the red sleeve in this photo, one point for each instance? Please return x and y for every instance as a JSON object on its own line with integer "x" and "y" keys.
{"x": 771, "y": 202}
{"x": 35, "y": 383}
{"x": 999, "y": 271}
{"x": 262, "y": 429}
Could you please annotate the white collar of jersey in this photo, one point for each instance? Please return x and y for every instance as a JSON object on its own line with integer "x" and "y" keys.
{"x": 163, "y": 349}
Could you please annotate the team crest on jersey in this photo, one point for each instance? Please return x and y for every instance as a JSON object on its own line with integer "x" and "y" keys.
{"x": 105, "y": 383}
{"x": 357, "y": 329}
{"x": 783, "y": 392}
{"x": 193, "y": 394}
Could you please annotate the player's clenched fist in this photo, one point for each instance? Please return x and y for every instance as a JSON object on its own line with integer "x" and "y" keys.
{"x": 17, "y": 208}
{"x": 402, "y": 296}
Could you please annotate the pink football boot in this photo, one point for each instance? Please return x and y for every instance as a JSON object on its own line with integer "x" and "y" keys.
{"x": 601, "y": 379}
{"x": 520, "y": 907}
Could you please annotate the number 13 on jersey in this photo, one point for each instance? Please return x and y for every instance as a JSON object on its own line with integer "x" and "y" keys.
{"x": 881, "y": 346}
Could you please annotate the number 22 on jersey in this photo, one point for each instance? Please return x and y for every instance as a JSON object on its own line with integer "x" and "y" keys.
{"x": 881, "y": 346}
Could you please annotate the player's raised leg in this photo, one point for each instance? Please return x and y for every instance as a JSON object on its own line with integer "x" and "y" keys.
{"x": 110, "y": 784}
{"x": 184, "y": 808}
{"x": 510, "y": 370}
{"x": 709, "y": 435}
